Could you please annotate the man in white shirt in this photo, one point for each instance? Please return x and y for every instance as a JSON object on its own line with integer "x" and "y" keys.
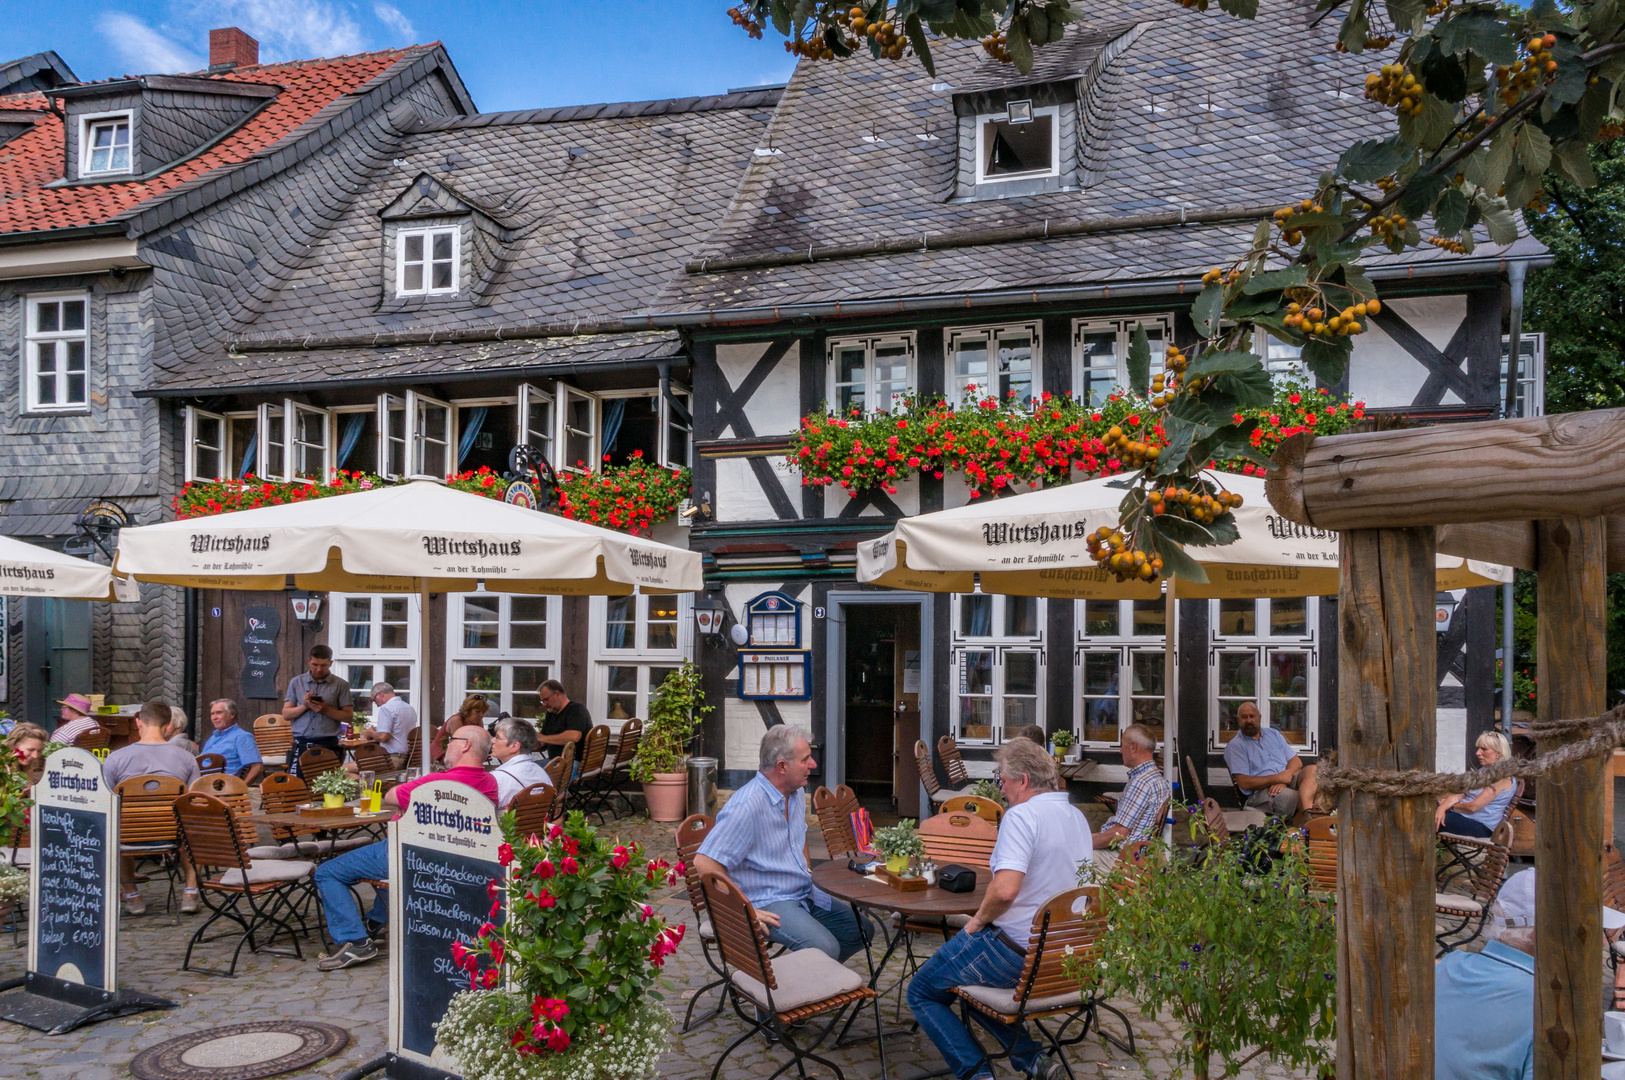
{"x": 1043, "y": 841}
{"x": 512, "y": 745}
{"x": 392, "y": 721}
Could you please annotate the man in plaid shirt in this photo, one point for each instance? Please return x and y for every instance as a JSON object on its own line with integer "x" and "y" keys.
{"x": 1137, "y": 816}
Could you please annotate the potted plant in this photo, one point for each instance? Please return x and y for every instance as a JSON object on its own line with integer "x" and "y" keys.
{"x": 1059, "y": 743}
{"x": 15, "y": 805}
{"x": 582, "y": 950}
{"x": 987, "y": 789}
{"x": 674, "y": 709}
{"x": 899, "y": 843}
{"x": 336, "y": 787}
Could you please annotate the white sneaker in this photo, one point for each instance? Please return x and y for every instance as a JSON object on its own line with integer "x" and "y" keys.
{"x": 134, "y": 904}
{"x": 189, "y": 902}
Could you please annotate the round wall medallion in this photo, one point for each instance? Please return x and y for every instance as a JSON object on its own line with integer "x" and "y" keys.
{"x": 241, "y": 1051}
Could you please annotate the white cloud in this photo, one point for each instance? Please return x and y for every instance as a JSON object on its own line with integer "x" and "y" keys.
{"x": 288, "y": 29}
{"x": 395, "y": 22}
{"x": 144, "y": 50}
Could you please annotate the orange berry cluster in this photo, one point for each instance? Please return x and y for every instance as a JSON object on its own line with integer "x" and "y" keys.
{"x": 746, "y": 23}
{"x": 1217, "y": 274}
{"x": 1199, "y": 505}
{"x": 1608, "y": 132}
{"x": 1130, "y": 451}
{"x": 1315, "y": 323}
{"x": 1437, "y": 7}
{"x": 1393, "y": 85}
{"x": 1449, "y": 245}
{"x": 997, "y": 46}
{"x": 1529, "y": 70}
{"x": 1376, "y": 43}
{"x": 1108, "y": 548}
{"x": 1386, "y": 226}
{"x": 1293, "y": 237}
{"x": 1162, "y": 390}
{"x": 887, "y": 35}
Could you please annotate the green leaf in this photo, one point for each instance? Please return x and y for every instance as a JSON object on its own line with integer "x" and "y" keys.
{"x": 1021, "y": 49}
{"x": 1499, "y": 158}
{"x": 1430, "y": 128}
{"x": 1241, "y": 9}
{"x": 1444, "y": 76}
{"x": 1247, "y": 307}
{"x": 1420, "y": 194}
{"x": 1277, "y": 279}
{"x": 1207, "y": 308}
{"x": 1181, "y": 434}
{"x": 1478, "y": 32}
{"x": 779, "y": 11}
{"x": 1175, "y": 563}
{"x": 1139, "y": 361}
{"x": 1573, "y": 160}
{"x": 1356, "y": 28}
{"x": 1569, "y": 84}
{"x": 1195, "y": 534}
{"x": 1371, "y": 160}
{"x": 1451, "y": 213}
{"x": 1249, "y": 389}
{"x": 1327, "y": 360}
{"x": 1499, "y": 220}
{"x": 1211, "y": 364}
{"x": 1534, "y": 149}
{"x": 1404, "y": 13}
{"x": 922, "y": 48}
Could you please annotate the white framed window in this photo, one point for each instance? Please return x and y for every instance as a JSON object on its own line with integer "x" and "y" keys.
{"x": 536, "y": 421}
{"x": 871, "y": 374}
{"x": 578, "y": 435}
{"x": 1119, "y": 668}
{"x": 104, "y": 144}
{"x": 504, "y": 647}
{"x": 1281, "y": 359}
{"x": 355, "y": 439}
{"x": 426, "y": 260}
{"x": 375, "y": 639}
{"x": 624, "y": 690}
{"x": 1531, "y": 392}
{"x": 485, "y": 430}
{"x": 636, "y": 642}
{"x": 642, "y": 424}
{"x": 207, "y": 441}
{"x": 1100, "y": 353}
{"x": 677, "y": 427}
{"x": 998, "y": 662}
{"x": 428, "y": 437}
{"x": 1020, "y": 143}
{"x": 1000, "y": 361}
{"x": 242, "y": 444}
{"x": 392, "y": 436}
{"x": 311, "y": 443}
{"x": 1265, "y": 652}
{"x": 55, "y": 347}
{"x": 271, "y": 455}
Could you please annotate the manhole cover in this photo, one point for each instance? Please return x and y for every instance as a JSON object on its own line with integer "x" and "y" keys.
{"x": 241, "y": 1052}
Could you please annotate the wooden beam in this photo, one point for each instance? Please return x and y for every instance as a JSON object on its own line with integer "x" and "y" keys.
{"x": 1499, "y": 470}
{"x": 1512, "y": 543}
{"x": 1570, "y": 651}
{"x": 1386, "y": 706}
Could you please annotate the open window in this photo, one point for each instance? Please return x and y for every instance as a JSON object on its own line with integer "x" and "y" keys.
{"x": 578, "y": 437}
{"x": 392, "y": 435}
{"x": 428, "y": 437}
{"x": 207, "y": 439}
{"x": 242, "y": 448}
{"x": 312, "y": 441}
{"x": 355, "y": 434}
{"x": 486, "y": 430}
{"x": 271, "y": 460}
{"x": 677, "y": 427}
{"x": 536, "y": 421}
{"x": 1020, "y": 143}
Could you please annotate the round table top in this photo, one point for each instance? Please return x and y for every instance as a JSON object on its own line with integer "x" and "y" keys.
{"x": 834, "y": 878}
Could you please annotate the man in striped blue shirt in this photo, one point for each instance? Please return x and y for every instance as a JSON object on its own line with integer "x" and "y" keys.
{"x": 760, "y": 843}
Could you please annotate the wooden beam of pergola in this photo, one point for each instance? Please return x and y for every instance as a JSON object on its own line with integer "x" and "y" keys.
{"x": 1512, "y": 543}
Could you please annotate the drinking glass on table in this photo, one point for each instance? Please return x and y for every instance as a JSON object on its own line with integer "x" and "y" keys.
{"x": 368, "y": 776}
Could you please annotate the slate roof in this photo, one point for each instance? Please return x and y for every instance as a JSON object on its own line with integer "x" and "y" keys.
{"x": 40, "y": 71}
{"x": 312, "y": 91}
{"x": 1186, "y": 112}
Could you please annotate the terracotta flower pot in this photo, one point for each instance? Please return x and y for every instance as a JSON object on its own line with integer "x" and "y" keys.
{"x": 667, "y": 795}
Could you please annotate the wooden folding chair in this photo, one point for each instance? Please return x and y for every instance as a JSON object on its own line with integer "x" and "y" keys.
{"x": 210, "y": 764}
{"x": 690, "y": 834}
{"x": 96, "y": 739}
{"x": 1466, "y": 913}
{"x": 531, "y": 809}
{"x": 1068, "y": 926}
{"x": 928, "y": 776}
{"x": 267, "y": 886}
{"x": 1463, "y": 852}
{"x": 146, "y": 822}
{"x": 414, "y": 748}
{"x": 773, "y": 995}
{"x": 274, "y": 740}
{"x": 953, "y": 766}
{"x": 1321, "y": 852}
{"x": 586, "y": 793}
{"x": 372, "y": 757}
{"x": 620, "y": 769}
{"x": 561, "y": 770}
{"x": 316, "y": 761}
{"x": 1613, "y": 894}
{"x": 834, "y": 810}
{"x": 961, "y": 837}
{"x": 986, "y": 809}
{"x": 16, "y": 852}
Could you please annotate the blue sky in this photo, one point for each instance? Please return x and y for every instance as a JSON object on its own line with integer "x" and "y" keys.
{"x": 511, "y": 55}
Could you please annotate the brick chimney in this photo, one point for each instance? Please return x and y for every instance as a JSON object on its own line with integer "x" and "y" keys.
{"x": 230, "y": 48}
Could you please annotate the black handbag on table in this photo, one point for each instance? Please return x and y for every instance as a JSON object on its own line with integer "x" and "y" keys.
{"x": 956, "y": 878}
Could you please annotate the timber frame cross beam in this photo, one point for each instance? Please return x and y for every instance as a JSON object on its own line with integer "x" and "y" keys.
{"x": 1546, "y": 494}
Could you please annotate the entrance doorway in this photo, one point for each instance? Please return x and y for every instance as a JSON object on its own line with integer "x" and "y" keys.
{"x": 878, "y": 689}
{"x": 56, "y": 654}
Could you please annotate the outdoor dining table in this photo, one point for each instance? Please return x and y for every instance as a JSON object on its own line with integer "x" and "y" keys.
{"x": 361, "y": 819}
{"x": 1076, "y": 770}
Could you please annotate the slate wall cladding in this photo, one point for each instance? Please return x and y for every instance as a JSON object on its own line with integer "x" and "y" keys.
{"x": 175, "y": 124}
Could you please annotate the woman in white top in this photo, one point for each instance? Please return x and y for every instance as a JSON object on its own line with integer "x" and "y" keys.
{"x": 512, "y": 745}
{"x": 1478, "y": 812}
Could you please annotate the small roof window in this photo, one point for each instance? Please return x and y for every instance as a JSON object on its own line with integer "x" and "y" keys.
{"x": 105, "y": 145}
{"x": 1020, "y": 143}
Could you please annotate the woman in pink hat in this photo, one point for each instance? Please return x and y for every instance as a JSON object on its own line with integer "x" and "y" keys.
{"x": 76, "y": 719}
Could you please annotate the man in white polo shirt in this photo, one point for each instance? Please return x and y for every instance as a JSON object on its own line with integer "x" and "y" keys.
{"x": 1043, "y": 840}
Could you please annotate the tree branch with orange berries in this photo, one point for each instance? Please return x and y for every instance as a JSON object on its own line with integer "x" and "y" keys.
{"x": 1486, "y": 97}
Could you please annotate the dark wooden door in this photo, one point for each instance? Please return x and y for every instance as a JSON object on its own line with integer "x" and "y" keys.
{"x": 870, "y": 705}
{"x": 906, "y": 730}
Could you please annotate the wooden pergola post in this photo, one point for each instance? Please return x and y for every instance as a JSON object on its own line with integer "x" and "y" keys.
{"x": 1571, "y": 672}
{"x": 1386, "y": 720}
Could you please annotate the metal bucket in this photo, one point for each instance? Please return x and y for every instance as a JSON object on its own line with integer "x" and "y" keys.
{"x": 702, "y": 785}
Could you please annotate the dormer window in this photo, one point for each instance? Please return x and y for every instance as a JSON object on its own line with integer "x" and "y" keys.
{"x": 1020, "y": 143}
{"x": 105, "y": 145}
{"x": 426, "y": 261}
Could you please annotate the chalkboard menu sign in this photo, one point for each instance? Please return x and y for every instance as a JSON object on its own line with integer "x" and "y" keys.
{"x": 442, "y": 858}
{"x": 261, "y": 625}
{"x": 72, "y": 894}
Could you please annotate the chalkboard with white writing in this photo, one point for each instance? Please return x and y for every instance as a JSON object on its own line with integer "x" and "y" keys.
{"x": 442, "y": 860}
{"x": 72, "y": 891}
{"x": 261, "y": 625}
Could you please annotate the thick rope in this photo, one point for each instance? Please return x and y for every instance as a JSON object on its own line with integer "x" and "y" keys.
{"x": 1603, "y": 734}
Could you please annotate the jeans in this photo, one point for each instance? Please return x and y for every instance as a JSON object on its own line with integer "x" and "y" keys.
{"x": 804, "y": 925}
{"x": 301, "y": 743}
{"x": 333, "y": 880}
{"x": 1462, "y": 825}
{"x": 979, "y": 959}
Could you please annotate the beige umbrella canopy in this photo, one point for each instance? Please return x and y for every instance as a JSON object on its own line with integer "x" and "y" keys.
{"x": 421, "y": 536}
{"x": 30, "y": 570}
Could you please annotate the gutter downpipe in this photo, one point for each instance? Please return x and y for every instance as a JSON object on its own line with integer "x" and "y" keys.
{"x": 1516, "y": 274}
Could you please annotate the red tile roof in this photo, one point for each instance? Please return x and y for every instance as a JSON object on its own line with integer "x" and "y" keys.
{"x": 34, "y": 158}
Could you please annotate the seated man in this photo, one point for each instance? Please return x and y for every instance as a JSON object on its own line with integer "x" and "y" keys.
{"x": 76, "y": 720}
{"x": 1484, "y": 1003}
{"x": 512, "y": 745}
{"x": 1138, "y": 814}
{"x": 1271, "y": 777}
{"x": 760, "y": 844}
{"x": 231, "y": 742}
{"x": 392, "y": 723}
{"x": 151, "y": 755}
{"x": 465, "y": 763}
{"x": 1043, "y": 841}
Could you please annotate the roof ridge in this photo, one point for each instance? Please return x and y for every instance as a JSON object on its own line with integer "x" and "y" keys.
{"x": 399, "y": 50}
{"x": 615, "y": 110}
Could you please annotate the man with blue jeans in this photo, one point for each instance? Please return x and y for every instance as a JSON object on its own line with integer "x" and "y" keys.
{"x": 1043, "y": 841}
{"x": 760, "y": 843}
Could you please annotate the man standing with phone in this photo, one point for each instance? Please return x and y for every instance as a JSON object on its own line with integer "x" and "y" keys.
{"x": 316, "y": 703}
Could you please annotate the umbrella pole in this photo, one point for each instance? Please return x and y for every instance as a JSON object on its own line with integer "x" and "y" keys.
{"x": 425, "y": 678}
{"x": 1170, "y": 697}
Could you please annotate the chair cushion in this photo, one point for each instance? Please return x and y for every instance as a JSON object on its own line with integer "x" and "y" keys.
{"x": 148, "y": 847}
{"x": 1002, "y": 999}
{"x": 944, "y": 794}
{"x": 590, "y": 774}
{"x": 267, "y": 871}
{"x": 1619, "y": 947}
{"x": 1466, "y": 905}
{"x": 272, "y": 851}
{"x": 805, "y": 976}
{"x": 706, "y": 931}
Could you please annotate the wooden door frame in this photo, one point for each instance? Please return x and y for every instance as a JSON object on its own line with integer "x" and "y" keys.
{"x": 836, "y": 602}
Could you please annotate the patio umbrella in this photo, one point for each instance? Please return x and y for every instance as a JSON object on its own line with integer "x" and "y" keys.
{"x": 30, "y": 570}
{"x": 1035, "y": 545}
{"x": 422, "y": 536}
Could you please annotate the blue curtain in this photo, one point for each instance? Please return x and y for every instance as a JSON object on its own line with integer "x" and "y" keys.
{"x": 621, "y": 616}
{"x": 981, "y": 614}
{"x": 476, "y": 420}
{"x": 248, "y": 456}
{"x": 354, "y": 424}
{"x": 614, "y": 413}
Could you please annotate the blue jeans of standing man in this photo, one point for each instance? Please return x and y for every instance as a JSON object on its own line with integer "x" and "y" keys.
{"x": 833, "y": 931}
{"x": 979, "y": 959}
{"x": 333, "y": 880}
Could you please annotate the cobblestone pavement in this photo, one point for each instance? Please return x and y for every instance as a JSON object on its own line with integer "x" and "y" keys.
{"x": 268, "y": 987}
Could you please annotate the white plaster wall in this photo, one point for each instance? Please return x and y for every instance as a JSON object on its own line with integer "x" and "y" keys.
{"x": 743, "y": 728}
{"x": 740, "y": 496}
{"x": 907, "y": 500}
{"x": 1381, "y": 373}
{"x": 775, "y": 407}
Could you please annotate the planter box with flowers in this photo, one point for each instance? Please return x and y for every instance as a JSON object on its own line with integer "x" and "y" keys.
{"x": 336, "y": 787}
{"x": 583, "y": 950}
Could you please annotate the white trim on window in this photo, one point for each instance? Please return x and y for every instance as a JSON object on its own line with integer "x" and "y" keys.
{"x": 372, "y": 643}
{"x": 1053, "y": 112}
{"x": 873, "y": 389}
{"x": 56, "y": 352}
{"x": 1531, "y": 399}
{"x": 428, "y": 260}
{"x": 120, "y": 127}
{"x": 426, "y": 440}
{"x": 503, "y": 646}
{"x": 337, "y": 423}
{"x": 241, "y": 427}
{"x": 676, "y": 435}
{"x": 310, "y": 443}
{"x": 579, "y": 448}
{"x": 272, "y": 457}
{"x": 537, "y": 420}
{"x": 207, "y": 450}
{"x": 1277, "y": 671}
{"x": 1002, "y": 364}
{"x": 462, "y": 405}
{"x": 656, "y": 637}
{"x": 1100, "y": 353}
{"x": 1001, "y": 638}
{"x": 1112, "y": 666}
{"x": 392, "y": 436}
